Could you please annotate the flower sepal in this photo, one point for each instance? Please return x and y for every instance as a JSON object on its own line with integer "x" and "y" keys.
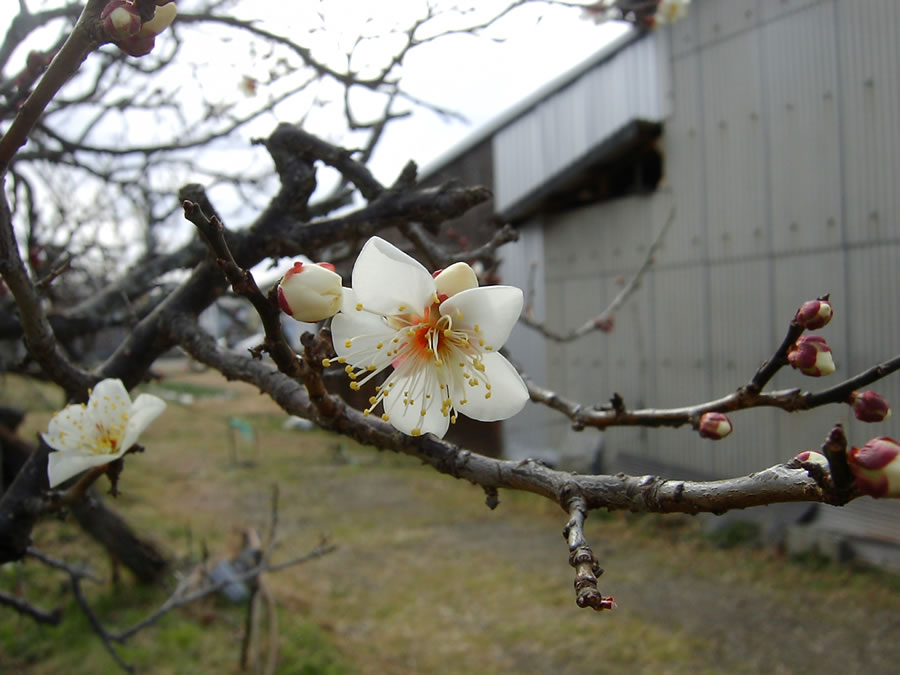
{"x": 869, "y": 406}
{"x": 811, "y": 355}
{"x": 814, "y": 314}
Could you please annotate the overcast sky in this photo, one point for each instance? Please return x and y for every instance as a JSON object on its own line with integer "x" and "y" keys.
{"x": 477, "y": 77}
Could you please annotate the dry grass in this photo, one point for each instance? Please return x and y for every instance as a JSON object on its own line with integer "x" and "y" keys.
{"x": 427, "y": 580}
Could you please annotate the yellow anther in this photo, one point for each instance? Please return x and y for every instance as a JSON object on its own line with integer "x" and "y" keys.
{"x": 326, "y": 363}
{"x": 371, "y": 367}
{"x": 401, "y": 308}
{"x": 358, "y": 306}
{"x": 342, "y": 359}
{"x": 416, "y": 432}
{"x": 372, "y": 400}
{"x": 379, "y": 345}
{"x": 487, "y": 395}
{"x": 386, "y": 417}
{"x": 348, "y": 344}
{"x": 354, "y": 386}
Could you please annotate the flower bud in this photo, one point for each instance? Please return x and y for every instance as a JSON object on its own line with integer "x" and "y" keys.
{"x": 869, "y": 406}
{"x": 811, "y": 355}
{"x": 876, "y": 467}
{"x": 310, "y": 292}
{"x": 121, "y": 20}
{"x": 812, "y": 457}
{"x": 162, "y": 19}
{"x": 458, "y": 277}
{"x": 814, "y": 314}
{"x": 715, "y": 426}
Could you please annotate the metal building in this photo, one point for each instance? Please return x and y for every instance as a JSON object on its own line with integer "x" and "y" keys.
{"x": 776, "y": 124}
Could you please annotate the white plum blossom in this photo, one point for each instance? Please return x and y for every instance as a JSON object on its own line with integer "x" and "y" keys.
{"x": 440, "y": 333}
{"x": 98, "y": 432}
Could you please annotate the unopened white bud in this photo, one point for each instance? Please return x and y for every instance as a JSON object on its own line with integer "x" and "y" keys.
{"x": 310, "y": 292}
{"x": 455, "y": 279}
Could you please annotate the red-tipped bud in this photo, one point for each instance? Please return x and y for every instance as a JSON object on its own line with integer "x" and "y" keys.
{"x": 814, "y": 314}
{"x": 876, "y": 467}
{"x": 812, "y": 457}
{"x": 811, "y": 355}
{"x": 715, "y": 426}
{"x": 605, "y": 324}
{"x": 121, "y": 20}
{"x": 869, "y": 406}
{"x": 310, "y": 292}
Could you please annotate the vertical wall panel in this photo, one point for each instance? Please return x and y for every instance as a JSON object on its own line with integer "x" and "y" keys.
{"x": 800, "y": 73}
{"x": 683, "y": 165}
{"x": 720, "y": 20}
{"x": 868, "y": 38}
{"x": 734, "y": 140}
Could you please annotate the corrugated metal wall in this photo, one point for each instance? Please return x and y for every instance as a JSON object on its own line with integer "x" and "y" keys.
{"x": 555, "y": 133}
{"x": 782, "y": 157}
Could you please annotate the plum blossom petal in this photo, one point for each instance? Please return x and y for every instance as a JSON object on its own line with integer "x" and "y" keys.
{"x": 491, "y": 310}
{"x": 98, "y": 432}
{"x": 387, "y": 280}
{"x": 406, "y": 414}
{"x": 508, "y": 392}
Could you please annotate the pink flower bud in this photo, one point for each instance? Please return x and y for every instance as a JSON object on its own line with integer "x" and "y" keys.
{"x": 121, "y": 20}
{"x": 811, "y": 355}
{"x": 715, "y": 426}
{"x": 869, "y": 406}
{"x": 876, "y": 467}
{"x": 310, "y": 292}
{"x": 813, "y": 457}
{"x": 814, "y": 314}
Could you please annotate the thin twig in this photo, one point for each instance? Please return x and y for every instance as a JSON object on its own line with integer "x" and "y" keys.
{"x": 605, "y": 320}
{"x": 51, "y": 618}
